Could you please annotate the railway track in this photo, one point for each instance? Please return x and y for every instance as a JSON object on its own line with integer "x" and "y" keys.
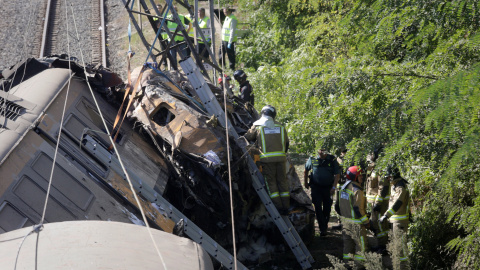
{"x": 86, "y": 30}
{"x": 37, "y": 28}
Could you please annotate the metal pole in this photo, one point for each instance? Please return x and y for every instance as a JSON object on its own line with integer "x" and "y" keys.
{"x": 212, "y": 27}
{"x": 140, "y": 16}
{"x": 189, "y": 44}
{"x": 195, "y": 33}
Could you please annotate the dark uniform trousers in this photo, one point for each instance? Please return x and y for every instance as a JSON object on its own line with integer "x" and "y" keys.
{"x": 323, "y": 205}
{"x": 230, "y": 53}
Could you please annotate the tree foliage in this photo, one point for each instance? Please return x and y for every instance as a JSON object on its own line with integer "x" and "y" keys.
{"x": 403, "y": 74}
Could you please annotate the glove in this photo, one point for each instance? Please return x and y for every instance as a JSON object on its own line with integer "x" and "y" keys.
{"x": 383, "y": 218}
{"x": 376, "y": 208}
{"x": 229, "y": 45}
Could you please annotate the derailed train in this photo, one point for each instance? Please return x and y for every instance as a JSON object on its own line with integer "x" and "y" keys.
{"x": 169, "y": 146}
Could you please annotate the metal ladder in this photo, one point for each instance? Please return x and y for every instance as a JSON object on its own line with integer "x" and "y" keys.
{"x": 213, "y": 107}
{"x": 164, "y": 207}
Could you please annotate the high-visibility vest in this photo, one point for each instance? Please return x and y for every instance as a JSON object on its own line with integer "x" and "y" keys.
{"x": 226, "y": 28}
{"x": 348, "y": 203}
{"x": 272, "y": 143}
{"x": 172, "y": 26}
{"x": 190, "y": 33}
{"x": 203, "y": 23}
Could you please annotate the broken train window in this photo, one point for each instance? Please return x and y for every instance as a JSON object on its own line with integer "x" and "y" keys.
{"x": 162, "y": 115}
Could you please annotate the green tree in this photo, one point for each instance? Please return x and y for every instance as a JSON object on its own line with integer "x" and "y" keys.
{"x": 399, "y": 73}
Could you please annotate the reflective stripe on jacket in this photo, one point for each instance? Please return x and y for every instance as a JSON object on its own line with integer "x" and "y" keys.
{"x": 272, "y": 143}
{"x": 204, "y": 24}
{"x": 352, "y": 203}
{"x": 398, "y": 206}
{"x": 227, "y": 25}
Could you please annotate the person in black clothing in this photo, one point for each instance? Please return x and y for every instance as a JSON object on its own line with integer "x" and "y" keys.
{"x": 246, "y": 92}
{"x": 323, "y": 181}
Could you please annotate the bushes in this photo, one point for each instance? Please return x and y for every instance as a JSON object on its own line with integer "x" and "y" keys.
{"x": 400, "y": 73}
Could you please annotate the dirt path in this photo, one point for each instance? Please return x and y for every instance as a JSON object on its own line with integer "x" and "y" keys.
{"x": 320, "y": 247}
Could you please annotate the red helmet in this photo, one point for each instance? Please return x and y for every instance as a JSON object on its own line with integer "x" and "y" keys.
{"x": 226, "y": 77}
{"x": 353, "y": 173}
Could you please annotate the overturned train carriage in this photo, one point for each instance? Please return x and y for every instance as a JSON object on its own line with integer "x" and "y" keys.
{"x": 170, "y": 148}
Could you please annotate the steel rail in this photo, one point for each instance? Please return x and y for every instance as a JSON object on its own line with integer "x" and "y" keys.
{"x": 99, "y": 55}
{"x": 102, "y": 18}
{"x": 45, "y": 27}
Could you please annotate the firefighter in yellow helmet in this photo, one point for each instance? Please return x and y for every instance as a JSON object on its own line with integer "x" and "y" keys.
{"x": 398, "y": 212}
{"x": 272, "y": 141}
{"x": 352, "y": 204}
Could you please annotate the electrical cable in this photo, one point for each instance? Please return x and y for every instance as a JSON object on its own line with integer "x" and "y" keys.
{"x": 118, "y": 156}
{"x": 228, "y": 159}
{"x": 38, "y": 227}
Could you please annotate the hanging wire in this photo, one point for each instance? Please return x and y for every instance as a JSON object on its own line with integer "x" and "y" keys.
{"x": 228, "y": 153}
{"x": 118, "y": 155}
{"x": 38, "y": 227}
{"x": 61, "y": 122}
{"x": 130, "y": 30}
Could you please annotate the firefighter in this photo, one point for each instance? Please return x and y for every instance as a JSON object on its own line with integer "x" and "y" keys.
{"x": 246, "y": 92}
{"x": 398, "y": 212}
{"x": 272, "y": 141}
{"x": 228, "y": 86}
{"x": 378, "y": 190}
{"x": 352, "y": 205}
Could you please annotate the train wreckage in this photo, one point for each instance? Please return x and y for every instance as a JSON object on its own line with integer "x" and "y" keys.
{"x": 174, "y": 152}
